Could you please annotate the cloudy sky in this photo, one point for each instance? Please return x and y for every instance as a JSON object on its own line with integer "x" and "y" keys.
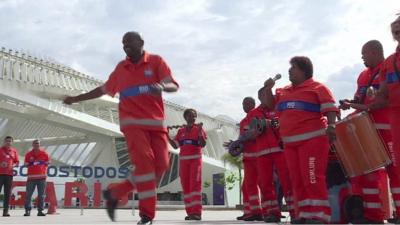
{"x": 219, "y": 50}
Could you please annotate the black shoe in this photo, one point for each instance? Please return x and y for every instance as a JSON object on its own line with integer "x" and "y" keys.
{"x": 367, "y": 221}
{"x": 187, "y": 217}
{"x": 354, "y": 209}
{"x": 241, "y": 217}
{"x": 195, "y": 217}
{"x": 297, "y": 221}
{"x": 394, "y": 220}
{"x": 314, "y": 221}
{"x": 111, "y": 204}
{"x": 254, "y": 218}
{"x": 145, "y": 220}
{"x": 5, "y": 213}
{"x": 27, "y": 213}
{"x": 40, "y": 213}
{"x": 272, "y": 219}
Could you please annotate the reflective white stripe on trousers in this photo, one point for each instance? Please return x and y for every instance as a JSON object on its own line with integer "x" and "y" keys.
{"x": 255, "y": 207}
{"x": 382, "y": 126}
{"x": 146, "y": 194}
{"x": 254, "y": 197}
{"x": 370, "y": 191}
{"x": 310, "y": 215}
{"x": 269, "y": 203}
{"x": 313, "y": 202}
{"x": 194, "y": 203}
{"x": 186, "y": 157}
{"x": 372, "y": 205}
{"x": 395, "y": 190}
{"x": 192, "y": 194}
{"x": 304, "y": 136}
{"x": 141, "y": 178}
{"x": 263, "y": 152}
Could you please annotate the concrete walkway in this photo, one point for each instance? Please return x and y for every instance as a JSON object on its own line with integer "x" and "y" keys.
{"x": 124, "y": 216}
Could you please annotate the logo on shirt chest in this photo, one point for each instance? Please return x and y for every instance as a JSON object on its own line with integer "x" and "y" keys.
{"x": 4, "y": 165}
{"x": 148, "y": 73}
{"x": 270, "y": 114}
{"x": 290, "y": 105}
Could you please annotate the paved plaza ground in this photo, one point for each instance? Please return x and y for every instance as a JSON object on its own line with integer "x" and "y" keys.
{"x": 124, "y": 216}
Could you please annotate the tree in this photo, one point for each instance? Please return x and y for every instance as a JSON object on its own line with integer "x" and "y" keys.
{"x": 236, "y": 162}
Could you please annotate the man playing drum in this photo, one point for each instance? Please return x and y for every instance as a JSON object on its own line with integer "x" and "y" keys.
{"x": 370, "y": 186}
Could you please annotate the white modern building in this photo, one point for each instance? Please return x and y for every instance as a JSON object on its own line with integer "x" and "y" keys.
{"x": 87, "y": 135}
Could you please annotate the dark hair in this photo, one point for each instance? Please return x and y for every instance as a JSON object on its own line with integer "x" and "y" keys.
{"x": 251, "y": 99}
{"x": 304, "y": 64}
{"x": 397, "y": 20}
{"x": 9, "y": 137}
{"x": 185, "y": 113}
{"x": 133, "y": 34}
{"x": 375, "y": 45}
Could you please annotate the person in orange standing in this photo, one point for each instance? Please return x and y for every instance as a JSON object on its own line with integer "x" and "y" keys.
{"x": 251, "y": 202}
{"x": 253, "y": 211}
{"x": 269, "y": 156}
{"x": 37, "y": 161}
{"x": 389, "y": 92}
{"x": 8, "y": 159}
{"x": 190, "y": 139}
{"x": 140, "y": 80}
{"x": 307, "y": 114}
{"x": 369, "y": 186}
{"x": 250, "y": 188}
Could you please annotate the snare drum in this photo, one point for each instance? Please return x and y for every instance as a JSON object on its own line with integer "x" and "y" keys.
{"x": 359, "y": 146}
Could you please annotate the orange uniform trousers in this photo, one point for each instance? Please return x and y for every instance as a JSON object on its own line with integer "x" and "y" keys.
{"x": 148, "y": 152}
{"x": 307, "y": 162}
{"x": 190, "y": 174}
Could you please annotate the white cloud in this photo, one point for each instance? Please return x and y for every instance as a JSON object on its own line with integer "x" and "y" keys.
{"x": 219, "y": 51}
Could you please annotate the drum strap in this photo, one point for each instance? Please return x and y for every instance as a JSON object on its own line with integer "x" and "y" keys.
{"x": 369, "y": 85}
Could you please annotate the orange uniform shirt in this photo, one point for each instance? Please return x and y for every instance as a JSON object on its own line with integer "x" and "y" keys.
{"x": 137, "y": 107}
{"x": 37, "y": 163}
{"x": 388, "y": 74}
{"x": 379, "y": 115}
{"x": 268, "y": 139}
{"x": 8, "y": 158}
{"x": 301, "y": 107}
{"x": 188, "y": 139}
{"x": 248, "y": 146}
